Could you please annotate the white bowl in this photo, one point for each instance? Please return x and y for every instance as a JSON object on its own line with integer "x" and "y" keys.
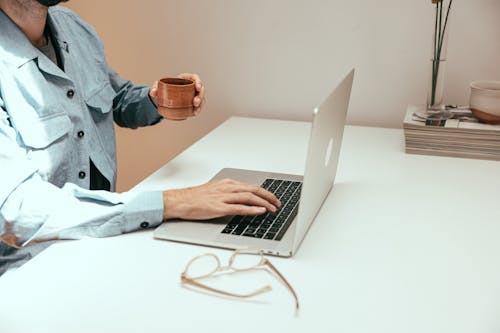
{"x": 485, "y": 101}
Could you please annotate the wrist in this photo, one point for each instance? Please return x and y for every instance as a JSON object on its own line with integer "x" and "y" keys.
{"x": 173, "y": 204}
{"x": 167, "y": 205}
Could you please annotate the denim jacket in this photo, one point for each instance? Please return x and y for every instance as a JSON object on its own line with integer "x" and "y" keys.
{"x": 52, "y": 122}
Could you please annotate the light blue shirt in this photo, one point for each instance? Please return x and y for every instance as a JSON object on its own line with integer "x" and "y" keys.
{"x": 52, "y": 122}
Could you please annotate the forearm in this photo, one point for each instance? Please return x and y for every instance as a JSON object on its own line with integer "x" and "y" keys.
{"x": 132, "y": 105}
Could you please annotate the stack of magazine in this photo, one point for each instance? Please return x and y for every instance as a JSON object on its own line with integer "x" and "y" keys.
{"x": 458, "y": 135}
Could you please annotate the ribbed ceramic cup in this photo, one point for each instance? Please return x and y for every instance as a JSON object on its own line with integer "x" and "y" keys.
{"x": 485, "y": 101}
{"x": 175, "y": 98}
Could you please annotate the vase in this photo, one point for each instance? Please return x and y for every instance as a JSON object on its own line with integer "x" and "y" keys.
{"x": 435, "y": 94}
{"x": 436, "y": 80}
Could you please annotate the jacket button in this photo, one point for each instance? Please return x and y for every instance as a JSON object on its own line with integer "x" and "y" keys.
{"x": 70, "y": 93}
{"x": 81, "y": 134}
{"x": 144, "y": 225}
{"x": 81, "y": 174}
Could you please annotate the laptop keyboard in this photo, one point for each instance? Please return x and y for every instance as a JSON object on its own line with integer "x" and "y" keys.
{"x": 270, "y": 225}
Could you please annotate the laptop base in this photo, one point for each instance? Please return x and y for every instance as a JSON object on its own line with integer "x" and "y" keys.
{"x": 208, "y": 232}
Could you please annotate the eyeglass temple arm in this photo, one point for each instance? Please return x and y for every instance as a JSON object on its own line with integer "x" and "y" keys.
{"x": 192, "y": 282}
{"x": 275, "y": 270}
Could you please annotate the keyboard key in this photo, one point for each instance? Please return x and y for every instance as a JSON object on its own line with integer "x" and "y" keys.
{"x": 281, "y": 218}
{"x": 259, "y": 218}
{"x": 279, "y": 192}
{"x": 273, "y": 186}
{"x": 239, "y": 230}
{"x": 246, "y": 220}
{"x": 236, "y": 219}
{"x": 269, "y": 236}
{"x": 267, "y": 183}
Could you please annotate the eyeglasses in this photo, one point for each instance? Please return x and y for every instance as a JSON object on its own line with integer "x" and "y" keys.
{"x": 207, "y": 265}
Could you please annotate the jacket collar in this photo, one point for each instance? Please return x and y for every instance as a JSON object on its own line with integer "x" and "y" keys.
{"x": 17, "y": 50}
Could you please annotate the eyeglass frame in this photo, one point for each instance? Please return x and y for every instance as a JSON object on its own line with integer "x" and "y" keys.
{"x": 264, "y": 262}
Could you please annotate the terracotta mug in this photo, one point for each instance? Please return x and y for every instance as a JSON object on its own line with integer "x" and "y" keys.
{"x": 175, "y": 98}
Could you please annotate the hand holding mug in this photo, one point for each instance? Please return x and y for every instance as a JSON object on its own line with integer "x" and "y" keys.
{"x": 179, "y": 98}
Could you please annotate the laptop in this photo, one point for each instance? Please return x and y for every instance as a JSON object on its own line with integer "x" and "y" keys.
{"x": 282, "y": 232}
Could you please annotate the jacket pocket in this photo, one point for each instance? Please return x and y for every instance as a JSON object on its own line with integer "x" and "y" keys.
{"x": 40, "y": 133}
{"x": 101, "y": 99}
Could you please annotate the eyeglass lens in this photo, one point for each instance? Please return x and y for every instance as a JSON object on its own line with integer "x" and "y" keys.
{"x": 245, "y": 260}
{"x": 203, "y": 265}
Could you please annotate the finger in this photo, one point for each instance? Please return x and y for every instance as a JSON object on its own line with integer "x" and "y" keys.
{"x": 201, "y": 92}
{"x": 268, "y": 196}
{"x": 196, "y": 102}
{"x": 193, "y": 77}
{"x": 244, "y": 210}
{"x": 197, "y": 82}
{"x": 199, "y": 99}
{"x": 198, "y": 85}
{"x": 259, "y": 191}
{"x": 153, "y": 92}
{"x": 250, "y": 199}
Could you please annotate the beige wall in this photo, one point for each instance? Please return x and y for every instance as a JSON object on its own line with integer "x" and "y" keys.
{"x": 278, "y": 58}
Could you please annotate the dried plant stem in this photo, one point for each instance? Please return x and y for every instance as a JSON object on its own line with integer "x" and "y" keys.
{"x": 439, "y": 36}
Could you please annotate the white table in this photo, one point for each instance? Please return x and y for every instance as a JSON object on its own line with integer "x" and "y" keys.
{"x": 403, "y": 243}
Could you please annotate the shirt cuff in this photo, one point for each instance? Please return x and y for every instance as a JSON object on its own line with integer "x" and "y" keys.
{"x": 150, "y": 108}
{"x": 144, "y": 211}
{"x": 152, "y": 101}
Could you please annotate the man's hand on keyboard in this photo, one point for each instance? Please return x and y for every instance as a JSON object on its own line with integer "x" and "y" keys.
{"x": 216, "y": 199}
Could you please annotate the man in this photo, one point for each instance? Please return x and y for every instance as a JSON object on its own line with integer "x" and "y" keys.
{"x": 58, "y": 100}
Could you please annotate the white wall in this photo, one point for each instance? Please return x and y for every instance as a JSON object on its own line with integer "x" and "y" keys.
{"x": 278, "y": 58}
